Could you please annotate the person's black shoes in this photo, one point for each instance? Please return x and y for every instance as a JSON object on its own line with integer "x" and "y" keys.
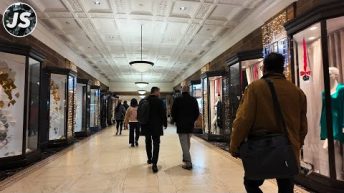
{"x": 149, "y": 161}
{"x": 132, "y": 145}
{"x": 155, "y": 168}
{"x": 137, "y": 143}
{"x": 187, "y": 167}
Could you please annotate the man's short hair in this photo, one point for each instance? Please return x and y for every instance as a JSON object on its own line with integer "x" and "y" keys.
{"x": 155, "y": 89}
{"x": 274, "y": 62}
{"x": 185, "y": 88}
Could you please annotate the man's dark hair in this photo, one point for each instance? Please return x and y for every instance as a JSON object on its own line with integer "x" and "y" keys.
{"x": 125, "y": 102}
{"x": 155, "y": 89}
{"x": 274, "y": 62}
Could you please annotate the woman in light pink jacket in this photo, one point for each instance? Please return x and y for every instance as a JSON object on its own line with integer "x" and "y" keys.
{"x": 134, "y": 126}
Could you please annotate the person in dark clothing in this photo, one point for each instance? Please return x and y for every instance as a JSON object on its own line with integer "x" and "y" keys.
{"x": 119, "y": 116}
{"x": 185, "y": 112}
{"x": 154, "y": 128}
{"x": 125, "y": 104}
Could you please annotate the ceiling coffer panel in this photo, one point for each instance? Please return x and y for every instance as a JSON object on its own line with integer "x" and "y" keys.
{"x": 175, "y": 33}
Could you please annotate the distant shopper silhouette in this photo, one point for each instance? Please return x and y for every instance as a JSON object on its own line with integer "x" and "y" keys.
{"x": 185, "y": 112}
{"x": 153, "y": 128}
{"x": 119, "y": 116}
{"x": 260, "y": 118}
{"x": 134, "y": 126}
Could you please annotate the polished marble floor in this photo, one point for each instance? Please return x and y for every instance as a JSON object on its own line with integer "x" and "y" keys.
{"x": 105, "y": 163}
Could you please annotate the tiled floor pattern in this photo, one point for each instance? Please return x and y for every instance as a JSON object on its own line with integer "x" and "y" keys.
{"x": 105, "y": 163}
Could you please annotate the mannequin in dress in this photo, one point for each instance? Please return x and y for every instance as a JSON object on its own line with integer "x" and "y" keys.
{"x": 217, "y": 116}
{"x": 334, "y": 75}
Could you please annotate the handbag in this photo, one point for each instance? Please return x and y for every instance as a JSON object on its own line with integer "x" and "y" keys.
{"x": 269, "y": 155}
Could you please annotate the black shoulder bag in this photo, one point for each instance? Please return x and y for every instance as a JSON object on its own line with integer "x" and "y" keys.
{"x": 269, "y": 155}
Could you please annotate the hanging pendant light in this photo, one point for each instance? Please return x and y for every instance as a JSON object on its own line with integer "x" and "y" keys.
{"x": 141, "y": 84}
{"x": 142, "y": 92}
{"x": 141, "y": 65}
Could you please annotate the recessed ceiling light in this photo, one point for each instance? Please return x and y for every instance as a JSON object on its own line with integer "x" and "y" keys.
{"x": 313, "y": 28}
{"x": 183, "y": 8}
{"x": 97, "y": 2}
{"x": 311, "y": 38}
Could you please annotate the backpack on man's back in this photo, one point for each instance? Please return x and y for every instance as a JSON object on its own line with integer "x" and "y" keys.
{"x": 143, "y": 111}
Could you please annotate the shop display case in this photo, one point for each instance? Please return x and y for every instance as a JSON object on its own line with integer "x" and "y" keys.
{"x": 61, "y": 105}
{"x": 212, "y": 96}
{"x": 104, "y": 102}
{"x": 317, "y": 63}
{"x": 20, "y": 129}
{"x": 82, "y": 126}
{"x": 196, "y": 91}
{"x": 243, "y": 69}
{"x": 95, "y": 109}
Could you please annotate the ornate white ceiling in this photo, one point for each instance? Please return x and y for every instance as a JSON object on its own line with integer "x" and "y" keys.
{"x": 176, "y": 33}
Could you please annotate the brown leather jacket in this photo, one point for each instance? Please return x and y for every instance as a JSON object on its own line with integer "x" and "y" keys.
{"x": 256, "y": 112}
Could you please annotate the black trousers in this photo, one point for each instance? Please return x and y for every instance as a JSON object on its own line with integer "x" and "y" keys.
{"x": 284, "y": 185}
{"x": 119, "y": 125}
{"x": 134, "y": 129}
{"x": 155, "y": 141}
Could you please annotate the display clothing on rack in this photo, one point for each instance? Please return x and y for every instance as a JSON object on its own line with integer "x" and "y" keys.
{"x": 337, "y": 103}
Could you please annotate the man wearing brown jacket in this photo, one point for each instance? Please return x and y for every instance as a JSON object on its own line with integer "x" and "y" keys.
{"x": 256, "y": 113}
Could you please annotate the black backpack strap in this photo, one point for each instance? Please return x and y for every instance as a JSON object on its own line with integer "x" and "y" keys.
{"x": 277, "y": 107}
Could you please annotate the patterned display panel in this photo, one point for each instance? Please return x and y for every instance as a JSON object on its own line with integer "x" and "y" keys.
{"x": 226, "y": 102}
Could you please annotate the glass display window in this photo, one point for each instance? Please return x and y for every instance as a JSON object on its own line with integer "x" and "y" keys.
{"x": 335, "y": 34}
{"x": 20, "y": 70}
{"x": 82, "y": 116}
{"x": 196, "y": 91}
{"x": 317, "y": 64}
{"x": 213, "y": 119}
{"x": 62, "y": 106}
{"x": 58, "y": 111}
{"x": 95, "y": 108}
{"x": 243, "y": 69}
{"x": 12, "y": 104}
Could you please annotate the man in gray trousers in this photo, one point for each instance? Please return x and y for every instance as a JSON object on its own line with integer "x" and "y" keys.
{"x": 185, "y": 112}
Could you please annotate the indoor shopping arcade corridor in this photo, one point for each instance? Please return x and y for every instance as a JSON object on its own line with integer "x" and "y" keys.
{"x": 105, "y": 163}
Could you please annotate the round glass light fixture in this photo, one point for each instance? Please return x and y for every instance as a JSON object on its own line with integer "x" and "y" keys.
{"x": 142, "y": 92}
{"x": 141, "y": 65}
{"x": 141, "y": 84}
{"x": 142, "y": 96}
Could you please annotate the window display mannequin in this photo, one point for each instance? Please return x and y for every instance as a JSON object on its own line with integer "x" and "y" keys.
{"x": 217, "y": 121}
{"x": 337, "y": 101}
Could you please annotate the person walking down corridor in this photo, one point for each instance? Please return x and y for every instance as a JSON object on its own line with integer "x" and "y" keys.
{"x": 152, "y": 117}
{"x": 185, "y": 112}
{"x": 134, "y": 126}
{"x": 119, "y": 116}
{"x": 272, "y": 112}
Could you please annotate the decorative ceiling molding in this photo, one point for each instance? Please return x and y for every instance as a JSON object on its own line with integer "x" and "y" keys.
{"x": 264, "y": 12}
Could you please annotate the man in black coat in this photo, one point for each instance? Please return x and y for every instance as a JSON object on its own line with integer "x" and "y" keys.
{"x": 154, "y": 128}
{"x": 185, "y": 112}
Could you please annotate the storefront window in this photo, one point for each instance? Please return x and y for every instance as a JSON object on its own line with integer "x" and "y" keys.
{"x": 216, "y": 105}
{"x": 12, "y": 88}
{"x": 33, "y": 103}
{"x": 80, "y": 107}
{"x": 335, "y": 30}
{"x": 205, "y": 104}
{"x": 94, "y": 108}
{"x": 57, "y": 128}
{"x": 308, "y": 53}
